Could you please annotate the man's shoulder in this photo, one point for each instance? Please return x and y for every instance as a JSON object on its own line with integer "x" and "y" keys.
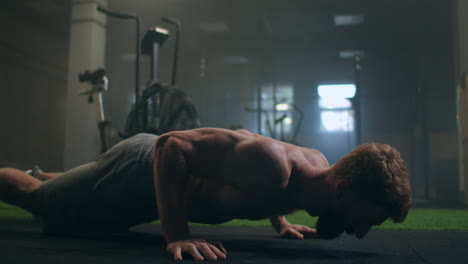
{"x": 315, "y": 157}
{"x": 262, "y": 147}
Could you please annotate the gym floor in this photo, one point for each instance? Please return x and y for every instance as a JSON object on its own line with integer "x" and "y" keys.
{"x": 21, "y": 241}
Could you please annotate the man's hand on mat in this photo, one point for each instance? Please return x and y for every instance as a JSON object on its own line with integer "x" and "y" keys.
{"x": 198, "y": 248}
{"x": 298, "y": 232}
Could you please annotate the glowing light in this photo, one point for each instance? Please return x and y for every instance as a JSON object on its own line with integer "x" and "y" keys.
{"x": 288, "y": 120}
{"x": 337, "y": 91}
{"x": 334, "y": 103}
{"x": 335, "y": 121}
{"x": 282, "y": 107}
{"x": 349, "y": 19}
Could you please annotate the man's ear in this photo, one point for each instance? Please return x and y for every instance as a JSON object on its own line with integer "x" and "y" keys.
{"x": 343, "y": 189}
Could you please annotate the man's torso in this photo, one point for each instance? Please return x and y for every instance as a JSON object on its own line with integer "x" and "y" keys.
{"x": 240, "y": 175}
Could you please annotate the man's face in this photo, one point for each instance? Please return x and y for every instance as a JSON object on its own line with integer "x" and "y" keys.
{"x": 356, "y": 219}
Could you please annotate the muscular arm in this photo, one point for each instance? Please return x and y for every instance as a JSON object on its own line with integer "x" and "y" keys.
{"x": 170, "y": 180}
{"x": 280, "y": 223}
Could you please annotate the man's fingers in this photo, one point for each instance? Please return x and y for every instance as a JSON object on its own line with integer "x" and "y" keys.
{"x": 218, "y": 252}
{"x": 207, "y": 251}
{"x": 291, "y": 233}
{"x": 285, "y": 232}
{"x": 306, "y": 231}
{"x": 177, "y": 253}
{"x": 199, "y": 249}
{"x": 297, "y": 235}
{"x": 303, "y": 228}
{"x": 309, "y": 232}
{"x": 192, "y": 250}
{"x": 219, "y": 245}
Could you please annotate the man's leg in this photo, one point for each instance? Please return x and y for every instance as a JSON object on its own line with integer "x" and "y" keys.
{"x": 18, "y": 188}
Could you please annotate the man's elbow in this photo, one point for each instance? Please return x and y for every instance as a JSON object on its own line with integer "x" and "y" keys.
{"x": 162, "y": 140}
{"x": 170, "y": 159}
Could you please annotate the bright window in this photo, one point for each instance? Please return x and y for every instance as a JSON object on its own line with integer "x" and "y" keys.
{"x": 336, "y": 108}
{"x": 284, "y": 112}
{"x": 334, "y": 103}
{"x": 337, "y": 90}
{"x": 336, "y": 120}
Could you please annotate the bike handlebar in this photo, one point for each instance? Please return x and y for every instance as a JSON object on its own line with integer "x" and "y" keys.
{"x": 116, "y": 14}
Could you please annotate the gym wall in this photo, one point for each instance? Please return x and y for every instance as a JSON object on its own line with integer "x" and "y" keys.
{"x": 33, "y": 72}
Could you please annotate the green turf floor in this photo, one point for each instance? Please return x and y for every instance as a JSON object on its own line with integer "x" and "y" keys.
{"x": 418, "y": 219}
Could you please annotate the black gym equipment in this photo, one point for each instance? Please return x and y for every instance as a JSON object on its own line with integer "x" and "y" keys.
{"x": 163, "y": 107}
{"x": 160, "y": 108}
{"x": 152, "y": 41}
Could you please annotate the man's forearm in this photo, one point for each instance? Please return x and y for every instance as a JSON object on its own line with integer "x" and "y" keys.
{"x": 170, "y": 179}
{"x": 172, "y": 215}
{"x": 278, "y": 222}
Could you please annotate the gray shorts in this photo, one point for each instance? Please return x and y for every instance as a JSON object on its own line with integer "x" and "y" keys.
{"x": 108, "y": 195}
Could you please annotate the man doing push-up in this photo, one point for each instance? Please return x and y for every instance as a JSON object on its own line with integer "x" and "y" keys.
{"x": 212, "y": 175}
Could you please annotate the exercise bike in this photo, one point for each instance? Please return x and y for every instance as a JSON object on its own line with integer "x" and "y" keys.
{"x": 161, "y": 108}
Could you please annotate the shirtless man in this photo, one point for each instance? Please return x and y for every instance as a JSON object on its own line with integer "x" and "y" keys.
{"x": 211, "y": 175}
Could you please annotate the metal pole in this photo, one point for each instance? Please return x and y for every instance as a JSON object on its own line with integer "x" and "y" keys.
{"x": 138, "y": 53}
{"x": 155, "y": 63}
{"x": 357, "y": 98}
{"x": 137, "y": 71}
{"x": 274, "y": 110}
{"x": 259, "y": 103}
{"x": 177, "y": 24}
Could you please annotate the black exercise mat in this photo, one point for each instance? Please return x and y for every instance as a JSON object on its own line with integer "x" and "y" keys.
{"x": 21, "y": 241}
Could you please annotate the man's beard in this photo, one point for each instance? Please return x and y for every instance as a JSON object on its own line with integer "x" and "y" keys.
{"x": 330, "y": 225}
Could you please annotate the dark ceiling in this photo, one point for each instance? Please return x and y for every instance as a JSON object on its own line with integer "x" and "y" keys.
{"x": 294, "y": 25}
{"x": 271, "y": 26}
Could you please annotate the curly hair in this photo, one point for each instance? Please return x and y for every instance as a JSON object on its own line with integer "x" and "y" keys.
{"x": 378, "y": 174}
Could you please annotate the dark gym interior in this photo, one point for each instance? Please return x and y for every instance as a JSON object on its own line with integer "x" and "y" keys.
{"x": 406, "y": 59}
